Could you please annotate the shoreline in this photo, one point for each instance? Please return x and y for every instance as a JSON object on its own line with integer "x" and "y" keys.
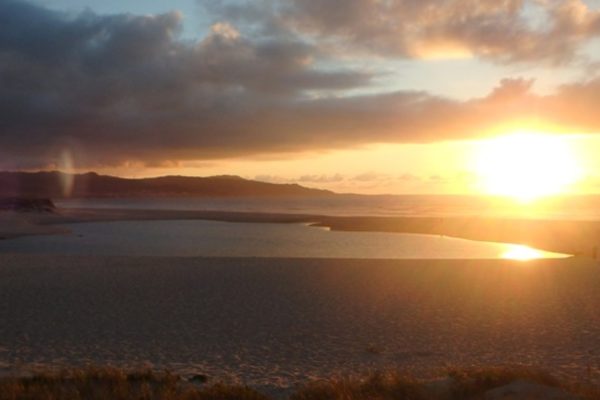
{"x": 560, "y": 236}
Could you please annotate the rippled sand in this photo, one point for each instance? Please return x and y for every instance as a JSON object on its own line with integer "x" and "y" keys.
{"x": 276, "y": 322}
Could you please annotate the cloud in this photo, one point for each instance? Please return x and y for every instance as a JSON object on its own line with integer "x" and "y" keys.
{"x": 320, "y": 178}
{"x": 502, "y": 31}
{"x": 409, "y": 177}
{"x": 304, "y": 179}
{"x": 271, "y": 178}
{"x": 372, "y": 177}
{"x": 119, "y": 86}
{"x": 115, "y": 89}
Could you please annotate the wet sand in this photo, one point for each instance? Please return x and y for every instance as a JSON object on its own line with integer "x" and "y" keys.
{"x": 275, "y": 322}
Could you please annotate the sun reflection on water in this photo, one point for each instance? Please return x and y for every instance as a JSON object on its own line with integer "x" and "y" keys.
{"x": 521, "y": 253}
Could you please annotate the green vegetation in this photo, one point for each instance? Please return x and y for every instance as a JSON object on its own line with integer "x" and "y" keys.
{"x": 111, "y": 383}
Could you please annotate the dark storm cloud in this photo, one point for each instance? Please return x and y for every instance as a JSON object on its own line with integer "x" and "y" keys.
{"x": 122, "y": 85}
{"x": 106, "y": 90}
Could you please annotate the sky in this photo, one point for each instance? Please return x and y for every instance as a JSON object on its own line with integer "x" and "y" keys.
{"x": 377, "y": 96}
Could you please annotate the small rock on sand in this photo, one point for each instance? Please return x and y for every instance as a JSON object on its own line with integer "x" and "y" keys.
{"x": 199, "y": 379}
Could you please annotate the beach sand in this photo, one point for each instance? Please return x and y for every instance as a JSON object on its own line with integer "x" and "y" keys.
{"x": 276, "y": 322}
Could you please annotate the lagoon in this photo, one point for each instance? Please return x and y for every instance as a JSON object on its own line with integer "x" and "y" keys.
{"x": 199, "y": 238}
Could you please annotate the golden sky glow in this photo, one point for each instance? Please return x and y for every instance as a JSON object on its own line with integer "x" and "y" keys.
{"x": 523, "y": 165}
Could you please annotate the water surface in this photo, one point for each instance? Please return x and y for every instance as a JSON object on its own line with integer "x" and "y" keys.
{"x": 557, "y": 208}
{"x": 190, "y": 238}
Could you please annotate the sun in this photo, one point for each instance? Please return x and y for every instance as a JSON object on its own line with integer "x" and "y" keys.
{"x": 526, "y": 165}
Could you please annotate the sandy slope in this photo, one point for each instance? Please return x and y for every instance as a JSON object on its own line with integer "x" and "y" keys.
{"x": 279, "y": 321}
{"x": 23, "y": 224}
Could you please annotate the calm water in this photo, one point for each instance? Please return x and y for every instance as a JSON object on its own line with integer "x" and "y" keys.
{"x": 571, "y": 208}
{"x": 210, "y": 238}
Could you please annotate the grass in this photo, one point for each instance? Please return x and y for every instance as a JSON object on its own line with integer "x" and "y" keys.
{"x": 116, "y": 384}
{"x": 456, "y": 384}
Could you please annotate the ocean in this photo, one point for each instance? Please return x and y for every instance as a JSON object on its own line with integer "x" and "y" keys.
{"x": 561, "y": 208}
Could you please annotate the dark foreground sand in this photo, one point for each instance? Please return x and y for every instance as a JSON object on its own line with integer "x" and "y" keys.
{"x": 275, "y": 322}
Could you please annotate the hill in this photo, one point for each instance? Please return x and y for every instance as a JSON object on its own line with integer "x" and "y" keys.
{"x": 59, "y": 185}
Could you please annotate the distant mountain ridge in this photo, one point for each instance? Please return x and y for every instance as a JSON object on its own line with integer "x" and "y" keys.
{"x": 57, "y": 184}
